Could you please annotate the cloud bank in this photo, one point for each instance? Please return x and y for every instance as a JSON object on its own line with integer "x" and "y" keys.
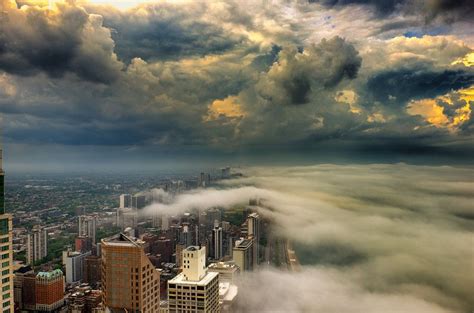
{"x": 371, "y": 238}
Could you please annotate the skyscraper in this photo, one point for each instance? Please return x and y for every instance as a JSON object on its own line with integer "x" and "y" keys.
{"x": 138, "y": 202}
{"x": 74, "y": 264}
{"x": 37, "y": 244}
{"x": 5, "y": 248}
{"x": 243, "y": 254}
{"x": 194, "y": 289}
{"x": 130, "y": 282}
{"x": 217, "y": 243}
{"x": 49, "y": 291}
{"x": 87, "y": 226}
{"x": 253, "y": 228}
{"x": 125, "y": 201}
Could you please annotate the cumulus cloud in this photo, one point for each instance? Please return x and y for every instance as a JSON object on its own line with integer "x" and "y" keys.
{"x": 66, "y": 40}
{"x": 369, "y": 237}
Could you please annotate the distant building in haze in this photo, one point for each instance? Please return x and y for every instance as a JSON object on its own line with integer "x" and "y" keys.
{"x": 217, "y": 243}
{"x": 253, "y": 231}
{"x": 87, "y": 226}
{"x": 138, "y": 202}
{"x": 37, "y": 244}
{"x": 125, "y": 201}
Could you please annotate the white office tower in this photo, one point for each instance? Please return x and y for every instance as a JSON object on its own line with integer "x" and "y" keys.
{"x": 87, "y": 226}
{"x": 217, "y": 243}
{"x": 125, "y": 201}
{"x": 253, "y": 229}
{"x": 74, "y": 263}
{"x": 6, "y": 249}
{"x": 243, "y": 254}
{"x": 37, "y": 244}
{"x": 194, "y": 289}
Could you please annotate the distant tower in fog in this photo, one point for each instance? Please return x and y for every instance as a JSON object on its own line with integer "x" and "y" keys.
{"x": 125, "y": 201}
{"x": 87, "y": 226}
{"x": 217, "y": 243}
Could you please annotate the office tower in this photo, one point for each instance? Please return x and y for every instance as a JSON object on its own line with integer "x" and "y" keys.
{"x": 130, "y": 282}
{"x": 165, "y": 223}
{"x": 74, "y": 263}
{"x": 127, "y": 218}
{"x": 6, "y": 248}
{"x": 87, "y": 226}
{"x": 125, "y": 201}
{"x": 22, "y": 290}
{"x": 194, "y": 289}
{"x": 49, "y": 291}
{"x": 83, "y": 244}
{"x": 225, "y": 172}
{"x": 214, "y": 217}
{"x": 186, "y": 236}
{"x": 217, "y": 243}
{"x": 204, "y": 180}
{"x": 227, "y": 271}
{"x": 253, "y": 229}
{"x": 164, "y": 247}
{"x": 37, "y": 244}
{"x": 92, "y": 270}
{"x": 243, "y": 254}
{"x": 138, "y": 202}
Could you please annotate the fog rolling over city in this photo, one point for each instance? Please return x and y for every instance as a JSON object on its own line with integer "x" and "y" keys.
{"x": 370, "y": 238}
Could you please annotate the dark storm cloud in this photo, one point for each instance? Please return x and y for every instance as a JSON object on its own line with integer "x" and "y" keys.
{"x": 449, "y": 10}
{"x": 406, "y": 84}
{"x": 68, "y": 41}
{"x": 296, "y": 73}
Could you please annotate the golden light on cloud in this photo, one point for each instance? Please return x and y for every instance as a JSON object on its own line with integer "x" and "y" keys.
{"x": 228, "y": 108}
{"x": 120, "y": 4}
{"x": 349, "y": 97}
{"x": 467, "y": 60}
{"x": 433, "y": 112}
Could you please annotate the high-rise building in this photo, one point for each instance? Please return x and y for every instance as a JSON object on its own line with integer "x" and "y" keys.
{"x": 21, "y": 289}
{"x": 243, "y": 254}
{"x": 194, "y": 289}
{"x": 92, "y": 270}
{"x": 253, "y": 228}
{"x": 227, "y": 271}
{"x": 217, "y": 243}
{"x": 204, "y": 180}
{"x": 49, "y": 291}
{"x": 6, "y": 248}
{"x": 138, "y": 202}
{"x": 83, "y": 244}
{"x": 130, "y": 282}
{"x": 74, "y": 264}
{"x": 87, "y": 226}
{"x": 125, "y": 201}
{"x": 37, "y": 244}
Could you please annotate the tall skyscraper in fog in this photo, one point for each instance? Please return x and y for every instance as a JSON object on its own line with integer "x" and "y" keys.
{"x": 253, "y": 228}
{"x": 6, "y": 249}
{"x": 217, "y": 243}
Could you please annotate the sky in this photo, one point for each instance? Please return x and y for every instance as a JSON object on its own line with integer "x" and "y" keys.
{"x": 393, "y": 238}
{"x": 132, "y": 81}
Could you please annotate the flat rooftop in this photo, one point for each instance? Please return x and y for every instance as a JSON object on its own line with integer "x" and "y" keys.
{"x": 204, "y": 281}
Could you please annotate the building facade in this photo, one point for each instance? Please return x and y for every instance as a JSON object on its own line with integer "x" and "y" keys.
{"x": 6, "y": 249}
{"x": 242, "y": 254}
{"x": 130, "y": 282}
{"x": 37, "y": 244}
{"x": 87, "y": 226}
{"x": 49, "y": 290}
{"x": 194, "y": 289}
{"x": 74, "y": 264}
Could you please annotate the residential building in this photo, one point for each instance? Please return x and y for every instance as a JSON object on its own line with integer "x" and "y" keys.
{"x": 87, "y": 227}
{"x": 74, "y": 264}
{"x": 37, "y": 244}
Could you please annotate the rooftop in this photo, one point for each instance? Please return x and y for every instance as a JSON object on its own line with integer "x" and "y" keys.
{"x": 204, "y": 281}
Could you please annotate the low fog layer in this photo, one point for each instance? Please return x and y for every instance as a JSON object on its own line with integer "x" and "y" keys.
{"x": 371, "y": 238}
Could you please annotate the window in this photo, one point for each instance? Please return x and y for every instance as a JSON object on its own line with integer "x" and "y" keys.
{"x": 4, "y": 226}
